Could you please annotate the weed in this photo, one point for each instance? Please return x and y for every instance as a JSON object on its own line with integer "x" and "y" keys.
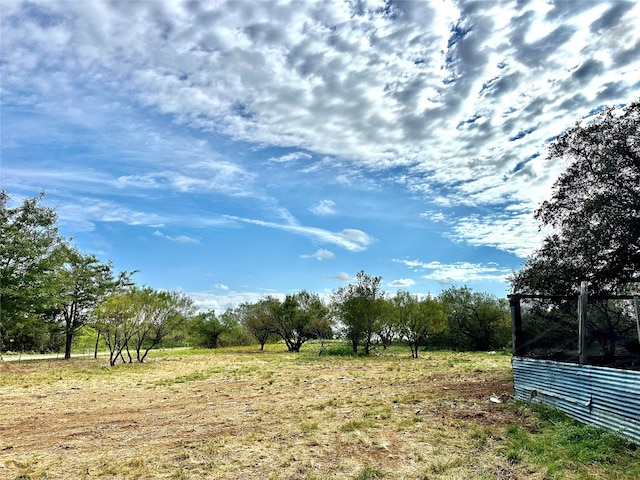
{"x": 480, "y": 437}
{"x": 308, "y": 427}
{"x": 440, "y": 466}
{"x": 353, "y": 425}
{"x": 369, "y": 472}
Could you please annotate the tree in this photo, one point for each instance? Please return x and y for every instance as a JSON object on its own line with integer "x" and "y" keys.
{"x": 594, "y": 210}
{"x": 476, "y": 321}
{"x": 157, "y": 314}
{"x": 417, "y": 319}
{"x": 206, "y": 329}
{"x": 82, "y": 282}
{"x": 359, "y": 307}
{"x": 30, "y": 248}
{"x": 388, "y": 328}
{"x": 116, "y": 322}
{"x": 258, "y": 318}
{"x": 301, "y": 317}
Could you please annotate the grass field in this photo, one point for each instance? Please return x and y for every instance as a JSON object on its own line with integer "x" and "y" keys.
{"x": 245, "y": 414}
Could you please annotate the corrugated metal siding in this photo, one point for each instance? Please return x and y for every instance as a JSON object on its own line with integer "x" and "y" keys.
{"x": 606, "y": 397}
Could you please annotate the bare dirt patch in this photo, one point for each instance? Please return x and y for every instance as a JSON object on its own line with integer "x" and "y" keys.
{"x": 265, "y": 415}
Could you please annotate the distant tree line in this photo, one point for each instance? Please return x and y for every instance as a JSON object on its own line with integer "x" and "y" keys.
{"x": 54, "y": 296}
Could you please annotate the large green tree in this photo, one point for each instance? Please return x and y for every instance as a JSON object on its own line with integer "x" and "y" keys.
{"x": 30, "y": 254}
{"x": 360, "y": 308}
{"x": 82, "y": 281}
{"x": 594, "y": 210}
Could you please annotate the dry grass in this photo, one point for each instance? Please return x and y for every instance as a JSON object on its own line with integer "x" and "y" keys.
{"x": 259, "y": 415}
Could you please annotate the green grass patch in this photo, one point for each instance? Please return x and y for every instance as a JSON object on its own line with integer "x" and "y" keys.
{"x": 562, "y": 445}
{"x": 357, "y": 424}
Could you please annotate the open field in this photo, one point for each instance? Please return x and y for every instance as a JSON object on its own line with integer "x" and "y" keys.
{"x": 241, "y": 413}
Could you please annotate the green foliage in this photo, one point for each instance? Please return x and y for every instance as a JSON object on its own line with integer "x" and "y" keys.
{"x": 139, "y": 318}
{"x": 205, "y": 330}
{"x": 257, "y": 318}
{"x": 30, "y": 253}
{"x": 476, "y": 321}
{"x": 594, "y": 211}
{"x": 360, "y": 306}
{"x": 301, "y": 317}
{"x": 82, "y": 281}
{"x": 157, "y": 315}
{"x": 418, "y": 319}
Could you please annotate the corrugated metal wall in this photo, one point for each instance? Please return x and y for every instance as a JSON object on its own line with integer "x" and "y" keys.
{"x": 606, "y": 397}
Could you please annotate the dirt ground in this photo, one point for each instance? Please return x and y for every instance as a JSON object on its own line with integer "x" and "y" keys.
{"x": 257, "y": 416}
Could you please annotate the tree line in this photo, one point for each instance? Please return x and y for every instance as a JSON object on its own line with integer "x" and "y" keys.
{"x": 51, "y": 293}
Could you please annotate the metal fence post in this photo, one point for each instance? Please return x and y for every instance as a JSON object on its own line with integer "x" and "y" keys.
{"x": 582, "y": 324}
{"x": 516, "y": 326}
{"x": 636, "y": 303}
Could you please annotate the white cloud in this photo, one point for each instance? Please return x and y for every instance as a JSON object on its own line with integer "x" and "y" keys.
{"x": 177, "y": 238}
{"x": 402, "y": 283}
{"x": 222, "y": 286}
{"x": 351, "y": 239}
{"x": 323, "y": 208}
{"x": 342, "y": 277}
{"x": 458, "y": 272}
{"x": 82, "y": 214}
{"x": 453, "y": 101}
{"x": 320, "y": 254}
{"x": 230, "y": 299}
{"x": 291, "y": 157}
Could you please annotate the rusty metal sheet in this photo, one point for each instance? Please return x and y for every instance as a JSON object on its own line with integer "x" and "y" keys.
{"x": 606, "y": 397}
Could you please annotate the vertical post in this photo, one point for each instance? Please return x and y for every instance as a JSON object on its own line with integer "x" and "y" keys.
{"x": 582, "y": 324}
{"x": 516, "y": 326}
{"x": 636, "y": 303}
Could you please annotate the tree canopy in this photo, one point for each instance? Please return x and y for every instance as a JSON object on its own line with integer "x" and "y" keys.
{"x": 30, "y": 253}
{"x": 594, "y": 210}
{"x": 359, "y": 306}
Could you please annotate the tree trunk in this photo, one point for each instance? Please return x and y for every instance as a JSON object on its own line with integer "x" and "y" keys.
{"x": 68, "y": 332}
{"x": 95, "y": 350}
{"x": 67, "y": 343}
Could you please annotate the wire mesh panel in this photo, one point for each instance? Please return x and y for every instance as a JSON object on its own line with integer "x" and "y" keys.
{"x": 548, "y": 328}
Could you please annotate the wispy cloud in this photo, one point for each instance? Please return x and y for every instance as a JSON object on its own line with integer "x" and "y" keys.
{"x": 350, "y": 238}
{"x": 177, "y": 238}
{"x": 320, "y": 254}
{"x": 82, "y": 213}
{"x": 323, "y": 208}
{"x": 342, "y": 277}
{"x": 401, "y": 283}
{"x": 458, "y": 272}
{"x": 230, "y": 299}
{"x": 290, "y": 157}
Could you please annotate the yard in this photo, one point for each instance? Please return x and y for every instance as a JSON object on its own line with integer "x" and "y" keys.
{"x": 241, "y": 413}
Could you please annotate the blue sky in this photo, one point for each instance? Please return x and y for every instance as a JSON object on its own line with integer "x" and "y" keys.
{"x": 236, "y": 149}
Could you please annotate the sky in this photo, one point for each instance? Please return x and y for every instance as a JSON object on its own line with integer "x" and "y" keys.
{"x": 232, "y": 150}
